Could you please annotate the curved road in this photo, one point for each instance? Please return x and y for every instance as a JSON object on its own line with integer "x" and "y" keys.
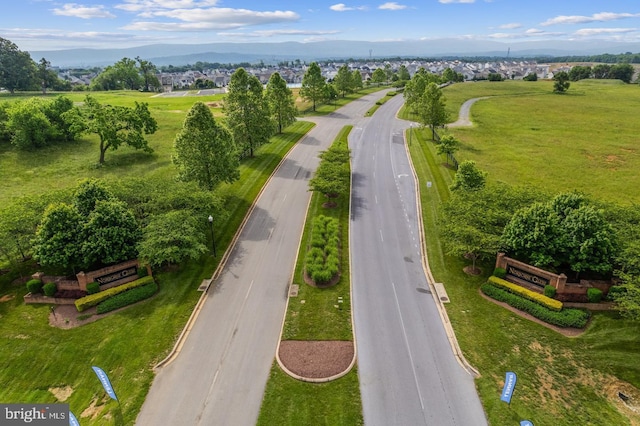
{"x": 408, "y": 372}
{"x": 219, "y": 376}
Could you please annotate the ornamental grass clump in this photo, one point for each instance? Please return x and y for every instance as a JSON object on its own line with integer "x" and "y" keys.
{"x": 322, "y": 262}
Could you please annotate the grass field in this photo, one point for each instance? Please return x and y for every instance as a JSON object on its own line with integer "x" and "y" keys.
{"x": 561, "y": 380}
{"x": 585, "y": 139}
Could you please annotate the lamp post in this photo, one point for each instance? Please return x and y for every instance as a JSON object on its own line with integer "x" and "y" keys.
{"x": 213, "y": 241}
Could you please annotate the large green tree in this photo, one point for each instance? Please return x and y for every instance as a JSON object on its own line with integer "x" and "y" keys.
{"x": 17, "y": 69}
{"x": 628, "y": 300}
{"x": 88, "y": 193}
{"x": 110, "y": 233}
{"x": 313, "y": 83}
{"x": 115, "y": 125}
{"x": 343, "y": 80}
{"x": 59, "y": 238}
{"x": 356, "y": 78}
{"x": 247, "y": 111}
{"x": 561, "y": 82}
{"x": 379, "y": 76}
{"x": 431, "y": 108}
{"x": 204, "y": 150}
{"x": 468, "y": 177}
{"x": 172, "y": 238}
{"x": 281, "y": 102}
{"x": 148, "y": 72}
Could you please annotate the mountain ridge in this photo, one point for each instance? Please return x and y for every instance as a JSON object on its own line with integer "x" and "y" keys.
{"x": 271, "y": 53}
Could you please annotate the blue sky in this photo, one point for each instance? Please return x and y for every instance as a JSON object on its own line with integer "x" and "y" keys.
{"x": 52, "y": 24}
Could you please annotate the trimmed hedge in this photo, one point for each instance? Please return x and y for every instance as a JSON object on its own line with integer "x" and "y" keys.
{"x": 541, "y": 299}
{"x": 93, "y": 288}
{"x": 549, "y": 291}
{"x": 594, "y": 295}
{"x": 322, "y": 262}
{"x": 50, "y": 289}
{"x": 34, "y": 286}
{"x": 94, "y": 299}
{"x": 128, "y": 297}
{"x": 566, "y": 318}
{"x": 500, "y": 272}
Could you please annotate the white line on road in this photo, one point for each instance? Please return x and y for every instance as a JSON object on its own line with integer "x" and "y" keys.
{"x": 381, "y": 237}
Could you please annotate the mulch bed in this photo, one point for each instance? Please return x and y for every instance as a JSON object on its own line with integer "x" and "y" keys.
{"x": 316, "y": 359}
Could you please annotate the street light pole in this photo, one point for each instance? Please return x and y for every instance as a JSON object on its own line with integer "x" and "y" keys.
{"x": 213, "y": 241}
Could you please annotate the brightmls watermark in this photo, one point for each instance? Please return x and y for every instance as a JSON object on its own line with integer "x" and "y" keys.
{"x": 34, "y": 414}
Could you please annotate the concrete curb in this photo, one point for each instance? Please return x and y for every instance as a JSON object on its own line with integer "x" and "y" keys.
{"x": 216, "y": 273}
{"x": 427, "y": 270}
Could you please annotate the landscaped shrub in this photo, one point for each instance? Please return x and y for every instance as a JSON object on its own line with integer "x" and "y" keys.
{"x": 128, "y": 297}
{"x": 93, "y": 288}
{"x": 565, "y": 318}
{"x": 541, "y": 299}
{"x": 594, "y": 295}
{"x": 614, "y": 291}
{"x": 549, "y": 291}
{"x": 500, "y": 273}
{"x": 50, "y": 289}
{"x": 322, "y": 262}
{"x": 142, "y": 272}
{"x": 34, "y": 286}
{"x": 93, "y": 299}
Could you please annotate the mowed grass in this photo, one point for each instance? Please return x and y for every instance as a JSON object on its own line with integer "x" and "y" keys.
{"x": 586, "y": 139}
{"x": 38, "y": 360}
{"x": 561, "y": 380}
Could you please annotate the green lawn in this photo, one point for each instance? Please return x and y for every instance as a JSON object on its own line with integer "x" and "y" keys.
{"x": 561, "y": 380}
{"x": 585, "y": 139}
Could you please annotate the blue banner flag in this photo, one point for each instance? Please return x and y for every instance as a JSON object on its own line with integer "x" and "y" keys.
{"x": 106, "y": 384}
{"x": 526, "y": 423}
{"x": 509, "y": 385}
{"x": 72, "y": 420}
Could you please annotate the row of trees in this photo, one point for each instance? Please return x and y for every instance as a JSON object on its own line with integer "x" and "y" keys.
{"x": 424, "y": 98}
{"x": 622, "y": 72}
{"x": 128, "y": 74}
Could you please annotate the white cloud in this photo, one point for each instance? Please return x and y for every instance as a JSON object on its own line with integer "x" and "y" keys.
{"x": 145, "y": 5}
{"x": 456, "y": 1}
{"x": 275, "y": 33}
{"x": 530, "y": 33}
{"x": 84, "y": 12}
{"x": 341, "y": 7}
{"x": 511, "y": 26}
{"x": 596, "y": 17}
{"x": 392, "y": 6}
{"x": 586, "y": 32}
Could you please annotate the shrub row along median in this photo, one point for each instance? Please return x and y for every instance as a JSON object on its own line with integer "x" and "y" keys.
{"x": 322, "y": 262}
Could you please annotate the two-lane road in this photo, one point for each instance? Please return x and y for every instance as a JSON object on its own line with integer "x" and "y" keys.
{"x": 408, "y": 372}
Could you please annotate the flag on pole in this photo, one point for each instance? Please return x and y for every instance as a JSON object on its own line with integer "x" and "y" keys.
{"x": 72, "y": 420}
{"x": 509, "y": 385}
{"x": 106, "y": 384}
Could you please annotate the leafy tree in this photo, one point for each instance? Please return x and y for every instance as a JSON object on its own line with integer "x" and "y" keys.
{"x": 111, "y": 234}
{"x": 148, "y": 72}
{"x": 534, "y": 234}
{"x": 88, "y": 193}
{"x": 494, "y": 76}
{"x": 580, "y": 72}
{"x": 28, "y": 124}
{"x": 447, "y": 146}
{"x": 281, "y": 101}
{"x": 59, "y": 238}
{"x": 56, "y": 111}
{"x": 205, "y": 151}
{"x": 414, "y": 90}
{"x": 114, "y": 125}
{"x": 343, "y": 80}
{"x": 356, "y": 79}
{"x": 403, "y": 73}
{"x": 449, "y": 75}
{"x": 622, "y": 72}
{"x": 532, "y": 76}
{"x": 45, "y": 75}
{"x": 332, "y": 177}
{"x": 601, "y": 71}
{"x": 330, "y": 94}
{"x": 172, "y": 238}
{"x": 468, "y": 177}
{"x": 247, "y": 110}
{"x": 628, "y": 301}
{"x": 562, "y": 83}
{"x": 128, "y": 74}
{"x": 313, "y": 83}
{"x": 17, "y": 69}
{"x": 379, "y": 76}
{"x": 432, "y": 108}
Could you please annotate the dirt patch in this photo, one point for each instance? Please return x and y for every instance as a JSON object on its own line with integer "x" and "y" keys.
{"x": 470, "y": 270}
{"x": 62, "y": 394}
{"x": 316, "y": 359}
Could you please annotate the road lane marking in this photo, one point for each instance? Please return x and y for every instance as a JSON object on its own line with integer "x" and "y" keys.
{"x": 381, "y": 237}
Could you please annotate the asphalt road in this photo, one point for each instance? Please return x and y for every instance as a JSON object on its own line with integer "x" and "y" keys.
{"x": 219, "y": 376}
{"x": 408, "y": 372}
